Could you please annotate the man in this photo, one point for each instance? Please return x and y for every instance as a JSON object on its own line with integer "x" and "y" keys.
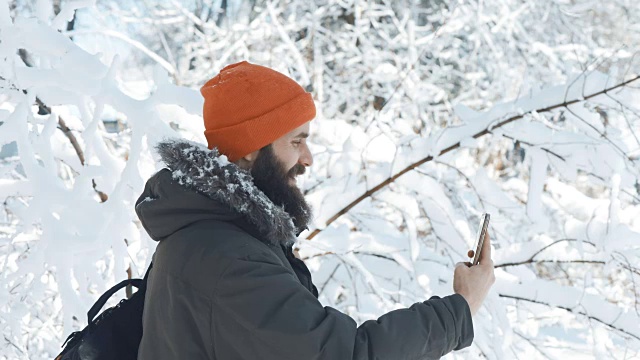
{"x": 225, "y": 283}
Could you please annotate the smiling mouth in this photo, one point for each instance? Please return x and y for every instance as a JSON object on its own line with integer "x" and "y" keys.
{"x": 294, "y": 179}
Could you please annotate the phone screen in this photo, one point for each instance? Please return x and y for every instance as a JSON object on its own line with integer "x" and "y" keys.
{"x": 482, "y": 230}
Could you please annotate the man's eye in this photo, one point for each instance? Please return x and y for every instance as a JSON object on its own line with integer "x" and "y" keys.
{"x": 296, "y": 143}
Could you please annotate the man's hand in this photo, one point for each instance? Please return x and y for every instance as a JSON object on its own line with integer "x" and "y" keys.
{"x": 474, "y": 282}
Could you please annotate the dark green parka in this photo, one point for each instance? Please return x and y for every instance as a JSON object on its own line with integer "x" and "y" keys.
{"x": 225, "y": 285}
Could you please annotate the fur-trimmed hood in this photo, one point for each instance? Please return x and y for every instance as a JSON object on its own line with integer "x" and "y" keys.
{"x": 201, "y": 184}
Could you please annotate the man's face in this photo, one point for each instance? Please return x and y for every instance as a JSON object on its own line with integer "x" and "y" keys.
{"x": 275, "y": 168}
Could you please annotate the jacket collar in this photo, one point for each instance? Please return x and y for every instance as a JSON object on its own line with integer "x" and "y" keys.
{"x": 197, "y": 168}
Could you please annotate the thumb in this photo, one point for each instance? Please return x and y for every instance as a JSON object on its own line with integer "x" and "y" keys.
{"x": 460, "y": 265}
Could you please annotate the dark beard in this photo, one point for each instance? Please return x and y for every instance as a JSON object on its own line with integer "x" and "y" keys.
{"x": 270, "y": 176}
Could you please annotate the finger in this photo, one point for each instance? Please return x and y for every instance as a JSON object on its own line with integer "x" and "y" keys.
{"x": 461, "y": 264}
{"x": 468, "y": 263}
{"x": 485, "y": 256}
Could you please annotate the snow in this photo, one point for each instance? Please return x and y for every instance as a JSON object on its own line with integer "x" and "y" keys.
{"x": 561, "y": 184}
{"x": 537, "y": 176}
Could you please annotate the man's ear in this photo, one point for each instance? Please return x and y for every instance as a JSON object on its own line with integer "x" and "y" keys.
{"x": 247, "y": 161}
{"x": 251, "y": 157}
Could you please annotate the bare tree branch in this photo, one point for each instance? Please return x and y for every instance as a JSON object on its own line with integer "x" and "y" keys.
{"x": 455, "y": 146}
{"x": 573, "y": 311}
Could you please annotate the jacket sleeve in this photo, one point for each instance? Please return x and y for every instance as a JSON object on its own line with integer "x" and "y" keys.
{"x": 285, "y": 321}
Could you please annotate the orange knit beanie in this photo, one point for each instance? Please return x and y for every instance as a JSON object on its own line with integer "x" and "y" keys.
{"x": 247, "y": 107}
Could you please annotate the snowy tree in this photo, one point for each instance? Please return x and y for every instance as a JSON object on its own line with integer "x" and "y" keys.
{"x": 429, "y": 113}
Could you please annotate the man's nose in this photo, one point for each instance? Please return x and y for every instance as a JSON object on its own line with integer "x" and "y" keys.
{"x": 306, "y": 159}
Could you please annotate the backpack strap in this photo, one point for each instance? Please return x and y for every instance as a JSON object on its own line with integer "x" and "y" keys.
{"x": 146, "y": 275}
{"x": 141, "y": 284}
{"x": 103, "y": 299}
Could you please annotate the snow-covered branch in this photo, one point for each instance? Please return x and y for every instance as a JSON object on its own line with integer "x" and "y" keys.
{"x": 429, "y": 113}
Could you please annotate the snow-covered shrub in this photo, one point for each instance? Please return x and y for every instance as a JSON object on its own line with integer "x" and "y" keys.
{"x": 429, "y": 113}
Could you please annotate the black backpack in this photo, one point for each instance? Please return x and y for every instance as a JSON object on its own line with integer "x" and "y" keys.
{"x": 114, "y": 334}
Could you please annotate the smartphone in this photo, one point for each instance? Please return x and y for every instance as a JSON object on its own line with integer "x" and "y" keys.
{"x": 482, "y": 230}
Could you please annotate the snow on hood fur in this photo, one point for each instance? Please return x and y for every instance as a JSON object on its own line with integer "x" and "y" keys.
{"x": 206, "y": 171}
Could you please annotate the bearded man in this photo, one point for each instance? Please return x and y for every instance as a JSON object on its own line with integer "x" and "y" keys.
{"x": 225, "y": 283}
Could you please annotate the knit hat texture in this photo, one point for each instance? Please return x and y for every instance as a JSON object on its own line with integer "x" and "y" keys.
{"x": 248, "y": 106}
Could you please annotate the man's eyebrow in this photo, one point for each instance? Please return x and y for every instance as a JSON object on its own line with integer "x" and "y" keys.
{"x": 302, "y": 135}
